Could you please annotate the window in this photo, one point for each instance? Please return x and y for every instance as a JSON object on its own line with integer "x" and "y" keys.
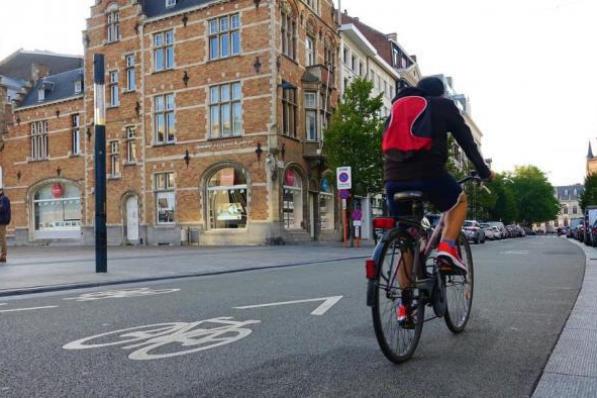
{"x": 224, "y": 36}
{"x": 574, "y": 210}
{"x": 131, "y": 155}
{"x": 131, "y": 78}
{"x": 225, "y": 110}
{"x": 78, "y": 86}
{"x": 113, "y": 26}
{"x": 310, "y": 51}
{"x": 39, "y": 140}
{"x": 164, "y": 119}
{"x": 293, "y": 200}
{"x": 353, "y": 64}
{"x": 163, "y": 51}
{"x": 566, "y": 210}
{"x": 165, "y": 197}
{"x": 114, "y": 159}
{"x": 328, "y": 54}
{"x": 313, "y": 4}
{"x": 170, "y": 3}
{"x": 227, "y": 205}
{"x": 345, "y": 55}
{"x": 289, "y": 112}
{"x": 327, "y": 205}
{"x": 311, "y": 116}
{"x": 76, "y": 135}
{"x": 288, "y": 35}
{"x": 41, "y": 94}
{"x": 57, "y": 211}
{"x": 361, "y": 68}
{"x": 113, "y": 84}
{"x": 392, "y": 92}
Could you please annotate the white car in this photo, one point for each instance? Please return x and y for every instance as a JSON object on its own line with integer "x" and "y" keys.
{"x": 489, "y": 231}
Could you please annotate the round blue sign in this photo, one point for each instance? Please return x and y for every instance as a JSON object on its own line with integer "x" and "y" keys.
{"x": 343, "y": 177}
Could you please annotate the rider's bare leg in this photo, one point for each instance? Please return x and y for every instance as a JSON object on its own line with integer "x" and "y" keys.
{"x": 405, "y": 269}
{"x": 454, "y": 219}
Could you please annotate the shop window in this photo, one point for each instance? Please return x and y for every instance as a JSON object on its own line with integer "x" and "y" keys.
{"x": 293, "y": 200}
{"x": 57, "y": 211}
{"x": 165, "y": 197}
{"x": 227, "y": 199}
{"x": 326, "y": 205}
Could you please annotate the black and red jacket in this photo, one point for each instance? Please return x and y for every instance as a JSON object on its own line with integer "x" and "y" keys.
{"x": 424, "y": 153}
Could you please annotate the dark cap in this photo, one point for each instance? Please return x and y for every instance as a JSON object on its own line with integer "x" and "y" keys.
{"x": 432, "y": 86}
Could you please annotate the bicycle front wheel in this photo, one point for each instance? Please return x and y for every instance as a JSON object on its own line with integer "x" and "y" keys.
{"x": 459, "y": 291}
{"x": 397, "y": 340}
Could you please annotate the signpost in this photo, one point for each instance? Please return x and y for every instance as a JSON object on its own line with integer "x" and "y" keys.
{"x": 99, "y": 94}
{"x": 344, "y": 185}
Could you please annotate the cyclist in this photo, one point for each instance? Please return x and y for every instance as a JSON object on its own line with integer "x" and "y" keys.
{"x": 415, "y": 147}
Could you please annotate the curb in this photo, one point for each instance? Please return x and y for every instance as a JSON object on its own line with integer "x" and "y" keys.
{"x": 87, "y": 285}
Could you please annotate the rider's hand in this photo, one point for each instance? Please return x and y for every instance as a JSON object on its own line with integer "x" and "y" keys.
{"x": 492, "y": 176}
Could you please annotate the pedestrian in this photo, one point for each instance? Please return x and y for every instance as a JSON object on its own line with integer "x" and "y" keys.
{"x": 357, "y": 217}
{"x": 4, "y": 221}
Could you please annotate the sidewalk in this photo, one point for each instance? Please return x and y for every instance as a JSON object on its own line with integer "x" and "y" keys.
{"x": 572, "y": 368}
{"x": 43, "y": 269}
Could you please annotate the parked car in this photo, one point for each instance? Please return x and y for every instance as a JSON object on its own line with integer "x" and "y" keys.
{"x": 513, "y": 231}
{"x": 489, "y": 232}
{"x": 528, "y": 231}
{"x": 473, "y": 231}
{"x": 590, "y": 218}
{"x": 501, "y": 228}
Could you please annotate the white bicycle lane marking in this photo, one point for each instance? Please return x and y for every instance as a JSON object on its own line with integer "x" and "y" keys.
{"x": 328, "y": 302}
{"x": 123, "y": 293}
{"x": 167, "y": 340}
{"x": 28, "y": 309}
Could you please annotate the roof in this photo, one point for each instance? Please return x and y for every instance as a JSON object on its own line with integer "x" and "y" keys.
{"x": 155, "y": 8}
{"x": 18, "y": 64}
{"x": 567, "y": 192}
{"x": 590, "y": 154}
{"x": 9, "y": 82}
{"x": 63, "y": 87}
{"x": 378, "y": 39}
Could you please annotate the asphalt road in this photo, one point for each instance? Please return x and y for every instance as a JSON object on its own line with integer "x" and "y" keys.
{"x": 525, "y": 290}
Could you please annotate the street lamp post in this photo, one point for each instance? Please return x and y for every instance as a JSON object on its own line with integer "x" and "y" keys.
{"x": 99, "y": 94}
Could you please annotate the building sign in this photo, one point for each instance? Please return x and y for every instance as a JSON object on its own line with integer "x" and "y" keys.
{"x": 57, "y": 190}
{"x": 344, "y": 177}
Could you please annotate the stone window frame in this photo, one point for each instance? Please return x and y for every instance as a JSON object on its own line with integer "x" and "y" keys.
{"x": 75, "y": 134}
{"x": 216, "y": 32}
{"x": 310, "y": 52}
{"x": 168, "y": 191}
{"x": 165, "y": 48}
{"x": 114, "y": 157}
{"x": 311, "y": 108}
{"x": 130, "y": 72}
{"x": 165, "y": 112}
{"x": 289, "y": 36}
{"x": 40, "y": 147}
{"x": 112, "y": 24}
{"x": 130, "y": 135}
{"x": 114, "y": 88}
{"x": 232, "y": 101}
{"x": 289, "y": 112}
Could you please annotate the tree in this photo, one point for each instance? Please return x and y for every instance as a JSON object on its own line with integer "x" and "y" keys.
{"x": 589, "y": 196}
{"x": 504, "y": 207}
{"x": 534, "y": 196}
{"x": 353, "y": 137}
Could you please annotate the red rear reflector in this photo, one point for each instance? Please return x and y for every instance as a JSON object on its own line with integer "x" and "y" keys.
{"x": 384, "y": 222}
{"x": 370, "y": 269}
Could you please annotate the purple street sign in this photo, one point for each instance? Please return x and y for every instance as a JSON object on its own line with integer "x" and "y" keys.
{"x": 344, "y": 194}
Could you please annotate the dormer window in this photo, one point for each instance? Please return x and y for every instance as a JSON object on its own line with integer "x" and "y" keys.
{"x": 41, "y": 94}
{"x": 170, "y": 3}
{"x": 78, "y": 86}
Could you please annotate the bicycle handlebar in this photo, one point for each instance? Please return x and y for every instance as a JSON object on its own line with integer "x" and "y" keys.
{"x": 478, "y": 180}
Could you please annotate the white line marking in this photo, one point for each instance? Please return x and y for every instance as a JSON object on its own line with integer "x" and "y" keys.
{"x": 328, "y": 302}
{"x": 29, "y": 309}
{"x": 3, "y": 303}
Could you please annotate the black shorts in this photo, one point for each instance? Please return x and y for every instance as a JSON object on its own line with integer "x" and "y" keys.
{"x": 442, "y": 192}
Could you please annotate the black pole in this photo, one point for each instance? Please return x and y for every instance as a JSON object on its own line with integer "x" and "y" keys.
{"x": 101, "y": 248}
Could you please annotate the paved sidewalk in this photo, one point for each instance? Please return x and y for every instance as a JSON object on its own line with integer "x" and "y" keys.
{"x": 42, "y": 269}
{"x": 572, "y": 368}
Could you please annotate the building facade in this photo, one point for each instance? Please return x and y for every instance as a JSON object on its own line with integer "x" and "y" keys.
{"x": 215, "y": 113}
{"x": 569, "y": 198}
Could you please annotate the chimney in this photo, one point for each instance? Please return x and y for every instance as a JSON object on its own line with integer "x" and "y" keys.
{"x": 414, "y": 58}
{"x": 393, "y": 37}
{"x": 39, "y": 71}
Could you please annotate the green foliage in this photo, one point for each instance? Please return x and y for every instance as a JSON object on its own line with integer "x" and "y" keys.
{"x": 534, "y": 196}
{"x": 353, "y": 137}
{"x": 589, "y": 196}
{"x": 504, "y": 205}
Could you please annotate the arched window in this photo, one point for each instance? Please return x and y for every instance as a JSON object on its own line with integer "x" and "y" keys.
{"x": 57, "y": 211}
{"x": 326, "y": 205}
{"x": 293, "y": 200}
{"x": 227, "y": 199}
{"x": 288, "y": 32}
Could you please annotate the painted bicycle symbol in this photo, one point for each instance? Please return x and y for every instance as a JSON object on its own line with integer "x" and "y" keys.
{"x": 124, "y": 293}
{"x": 167, "y": 340}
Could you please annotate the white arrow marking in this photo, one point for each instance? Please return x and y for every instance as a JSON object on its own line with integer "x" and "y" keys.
{"x": 29, "y": 309}
{"x": 328, "y": 302}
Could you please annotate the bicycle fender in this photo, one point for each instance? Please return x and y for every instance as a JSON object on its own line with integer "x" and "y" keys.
{"x": 371, "y": 292}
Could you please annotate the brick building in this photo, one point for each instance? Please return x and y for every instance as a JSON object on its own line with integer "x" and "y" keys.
{"x": 215, "y": 114}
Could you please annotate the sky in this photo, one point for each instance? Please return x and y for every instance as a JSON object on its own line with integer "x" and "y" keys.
{"x": 529, "y": 67}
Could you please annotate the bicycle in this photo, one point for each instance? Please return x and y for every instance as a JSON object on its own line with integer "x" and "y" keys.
{"x": 450, "y": 294}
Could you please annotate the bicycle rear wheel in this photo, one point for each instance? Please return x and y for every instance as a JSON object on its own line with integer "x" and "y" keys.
{"x": 397, "y": 342}
{"x": 459, "y": 291}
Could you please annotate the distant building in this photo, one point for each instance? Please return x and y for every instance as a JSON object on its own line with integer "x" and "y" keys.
{"x": 569, "y": 198}
{"x": 591, "y": 161}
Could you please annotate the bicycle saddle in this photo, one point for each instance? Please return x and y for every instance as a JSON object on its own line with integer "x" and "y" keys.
{"x": 408, "y": 195}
